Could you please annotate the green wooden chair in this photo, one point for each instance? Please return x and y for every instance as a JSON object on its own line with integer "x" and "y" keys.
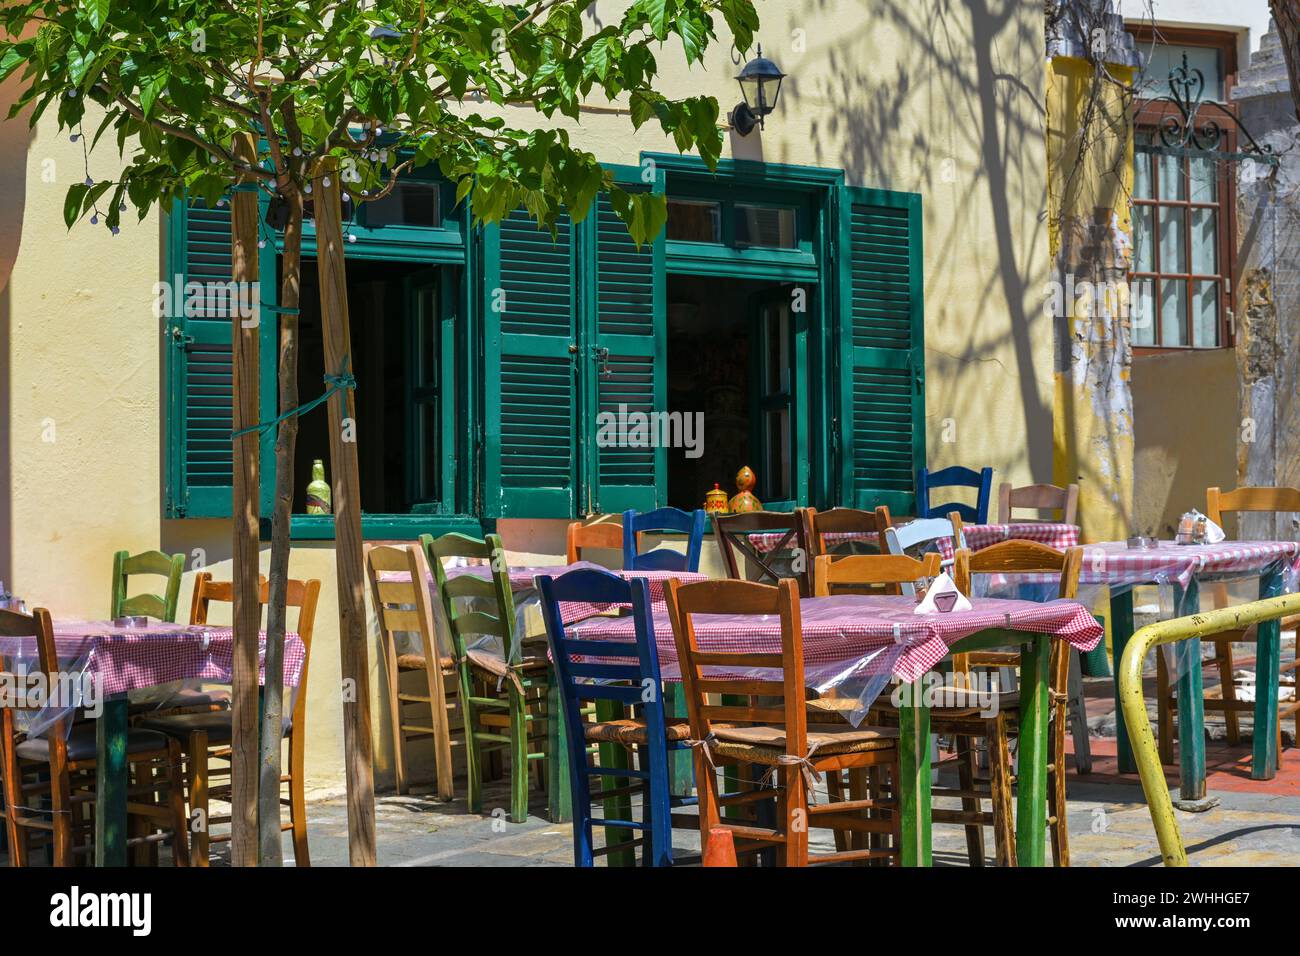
{"x": 160, "y": 606}
{"x": 504, "y": 696}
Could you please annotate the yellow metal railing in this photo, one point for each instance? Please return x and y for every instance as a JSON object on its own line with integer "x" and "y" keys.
{"x": 1135, "y": 710}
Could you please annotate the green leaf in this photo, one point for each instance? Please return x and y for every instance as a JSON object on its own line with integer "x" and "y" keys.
{"x": 97, "y": 12}
{"x": 150, "y": 89}
{"x": 72, "y": 203}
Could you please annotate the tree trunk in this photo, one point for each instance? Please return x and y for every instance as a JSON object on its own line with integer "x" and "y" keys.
{"x": 1286, "y": 19}
{"x": 248, "y": 607}
{"x": 347, "y": 518}
{"x": 286, "y": 441}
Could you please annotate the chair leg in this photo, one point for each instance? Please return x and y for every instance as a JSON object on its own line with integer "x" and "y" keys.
{"x": 394, "y": 679}
{"x": 298, "y": 815}
{"x": 858, "y": 790}
{"x": 966, "y": 780}
{"x": 795, "y": 817}
{"x": 61, "y": 805}
{"x": 199, "y": 827}
{"x": 473, "y": 756}
{"x": 1004, "y": 831}
{"x": 1079, "y": 715}
{"x": 518, "y": 757}
{"x": 1228, "y": 687}
{"x": 1164, "y": 712}
{"x": 1057, "y": 807}
{"x": 176, "y": 802}
{"x": 835, "y": 793}
{"x": 438, "y": 720}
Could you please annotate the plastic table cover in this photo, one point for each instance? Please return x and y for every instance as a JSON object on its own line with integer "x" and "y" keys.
{"x": 853, "y": 645}
{"x": 1053, "y": 534}
{"x": 98, "y": 659}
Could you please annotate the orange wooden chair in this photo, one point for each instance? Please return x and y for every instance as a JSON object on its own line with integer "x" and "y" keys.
{"x": 1038, "y": 498}
{"x": 603, "y": 535}
{"x": 205, "y": 730}
{"x": 61, "y": 767}
{"x": 841, "y": 520}
{"x": 769, "y": 729}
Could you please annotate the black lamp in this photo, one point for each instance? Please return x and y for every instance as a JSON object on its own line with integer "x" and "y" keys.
{"x": 760, "y": 85}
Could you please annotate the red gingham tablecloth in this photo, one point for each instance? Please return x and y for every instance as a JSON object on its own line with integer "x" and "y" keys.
{"x": 1054, "y": 535}
{"x": 1114, "y": 563}
{"x": 847, "y": 636}
{"x": 122, "y": 659}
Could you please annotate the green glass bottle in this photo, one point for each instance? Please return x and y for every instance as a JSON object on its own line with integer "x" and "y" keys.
{"x": 318, "y": 491}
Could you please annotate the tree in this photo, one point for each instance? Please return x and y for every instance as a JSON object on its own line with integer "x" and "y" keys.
{"x": 373, "y": 93}
{"x": 1286, "y": 19}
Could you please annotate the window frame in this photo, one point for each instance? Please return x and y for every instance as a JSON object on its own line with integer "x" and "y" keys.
{"x": 1147, "y": 116}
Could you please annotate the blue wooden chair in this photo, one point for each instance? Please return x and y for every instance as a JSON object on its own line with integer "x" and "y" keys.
{"x": 954, "y": 477}
{"x": 628, "y": 674}
{"x": 690, "y": 523}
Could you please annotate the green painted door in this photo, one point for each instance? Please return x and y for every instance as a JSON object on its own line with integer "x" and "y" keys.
{"x": 778, "y": 396}
{"x": 431, "y": 471}
{"x": 625, "y": 358}
{"x": 881, "y": 319}
{"x": 530, "y": 351}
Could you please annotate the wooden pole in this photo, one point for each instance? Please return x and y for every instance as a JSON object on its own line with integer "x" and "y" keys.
{"x": 247, "y": 609}
{"x": 347, "y": 518}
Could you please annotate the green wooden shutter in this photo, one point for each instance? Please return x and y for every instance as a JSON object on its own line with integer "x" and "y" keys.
{"x": 882, "y": 358}
{"x": 530, "y": 345}
{"x": 199, "y": 456}
{"x": 628, "y": 353}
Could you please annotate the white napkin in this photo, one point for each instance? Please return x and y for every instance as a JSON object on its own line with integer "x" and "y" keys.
{"x": 1213, "y": 533}
{"x": 941, "y": 584}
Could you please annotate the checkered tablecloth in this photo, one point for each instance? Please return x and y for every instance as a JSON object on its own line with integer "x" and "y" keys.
{"x": 1114, "y": 563}
{"x": 1052, "y": 534}
{"x": 848, "y": 636}
{"x": 125, "y": 659}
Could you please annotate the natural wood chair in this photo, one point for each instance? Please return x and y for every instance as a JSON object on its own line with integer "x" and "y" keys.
{"x": 1217, "y": 504}
{"x": 789, "y": 559}
{"x": 161, "y": 606}
{"x": 205, "y": 732}
{"x": 1038, "y": 498}
{"x": 968, "y": 726}
{"x": 510, "y": 709}
{"x": 871, "y": 573}
{"x": 61, "y": 767}
{"x": 770, "y": 730}
{"x": 404, "y": 606}
{"x": 842, "y": 520}
{"x": 604, "y": 535}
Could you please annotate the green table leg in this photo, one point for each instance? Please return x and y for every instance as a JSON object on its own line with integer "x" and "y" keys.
{"x": 616, "y": 808}
{"x": 1031, "y": 782}
{"x": 111, "y": 783}
{"x": 1191, "y": 701}
{"x": 1121, "y": 629}
{"x": 914, "y": 786}
{"x": 681, "y": 771}
{"x": 557, "y": 759}
{"x": 1268, "y": 651}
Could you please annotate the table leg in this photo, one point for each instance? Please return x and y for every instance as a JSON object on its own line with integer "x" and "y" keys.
{"x": 1191, "y": 701}
{"x": 1031, "y": 779}
{"x": 559, "y": 798}
{"x": 1268, "y": 651}
{"x": 1121, "y": 629}
{"x": 914, "y": 786}
{"x": 616, "y": 808}
{"x": 111, "y": 783}
{"x": 681, "y": 771}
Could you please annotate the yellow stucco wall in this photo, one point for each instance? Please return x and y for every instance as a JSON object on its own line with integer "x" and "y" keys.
{"x": 942, "y": 101}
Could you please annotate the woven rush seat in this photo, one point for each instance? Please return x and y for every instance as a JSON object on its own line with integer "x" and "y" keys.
{"x": 81, "y": 744}
{"x": 632, "y": 731}
{"x": 218, "y": 725}
{"x": 496, "y": 664}
{"x": 415, "y": 662}
{"x": 766, "y": 745}
{"x": 1008, "y": 703}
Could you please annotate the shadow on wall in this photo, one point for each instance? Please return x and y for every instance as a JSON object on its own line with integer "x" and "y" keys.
{"x": 965, "y": 81}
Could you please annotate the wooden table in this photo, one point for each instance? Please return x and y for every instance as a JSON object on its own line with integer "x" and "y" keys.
{"x": 878, "y": 638}
{"x": 119, "y": 660}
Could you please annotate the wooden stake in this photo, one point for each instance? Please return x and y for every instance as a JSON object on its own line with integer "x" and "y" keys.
{"x": 347, "y": 518}
{"x": 247, "y": 609}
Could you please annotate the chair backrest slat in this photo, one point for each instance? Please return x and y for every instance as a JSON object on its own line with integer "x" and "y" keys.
{"x": 847, "y": 520}
{"x": 636, "y": 524}
{"x": 1250, "y": 499}
{"x": 494, "y": 615}
{"x": 954, "y": 477}
{"x": 870, "y": 573}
